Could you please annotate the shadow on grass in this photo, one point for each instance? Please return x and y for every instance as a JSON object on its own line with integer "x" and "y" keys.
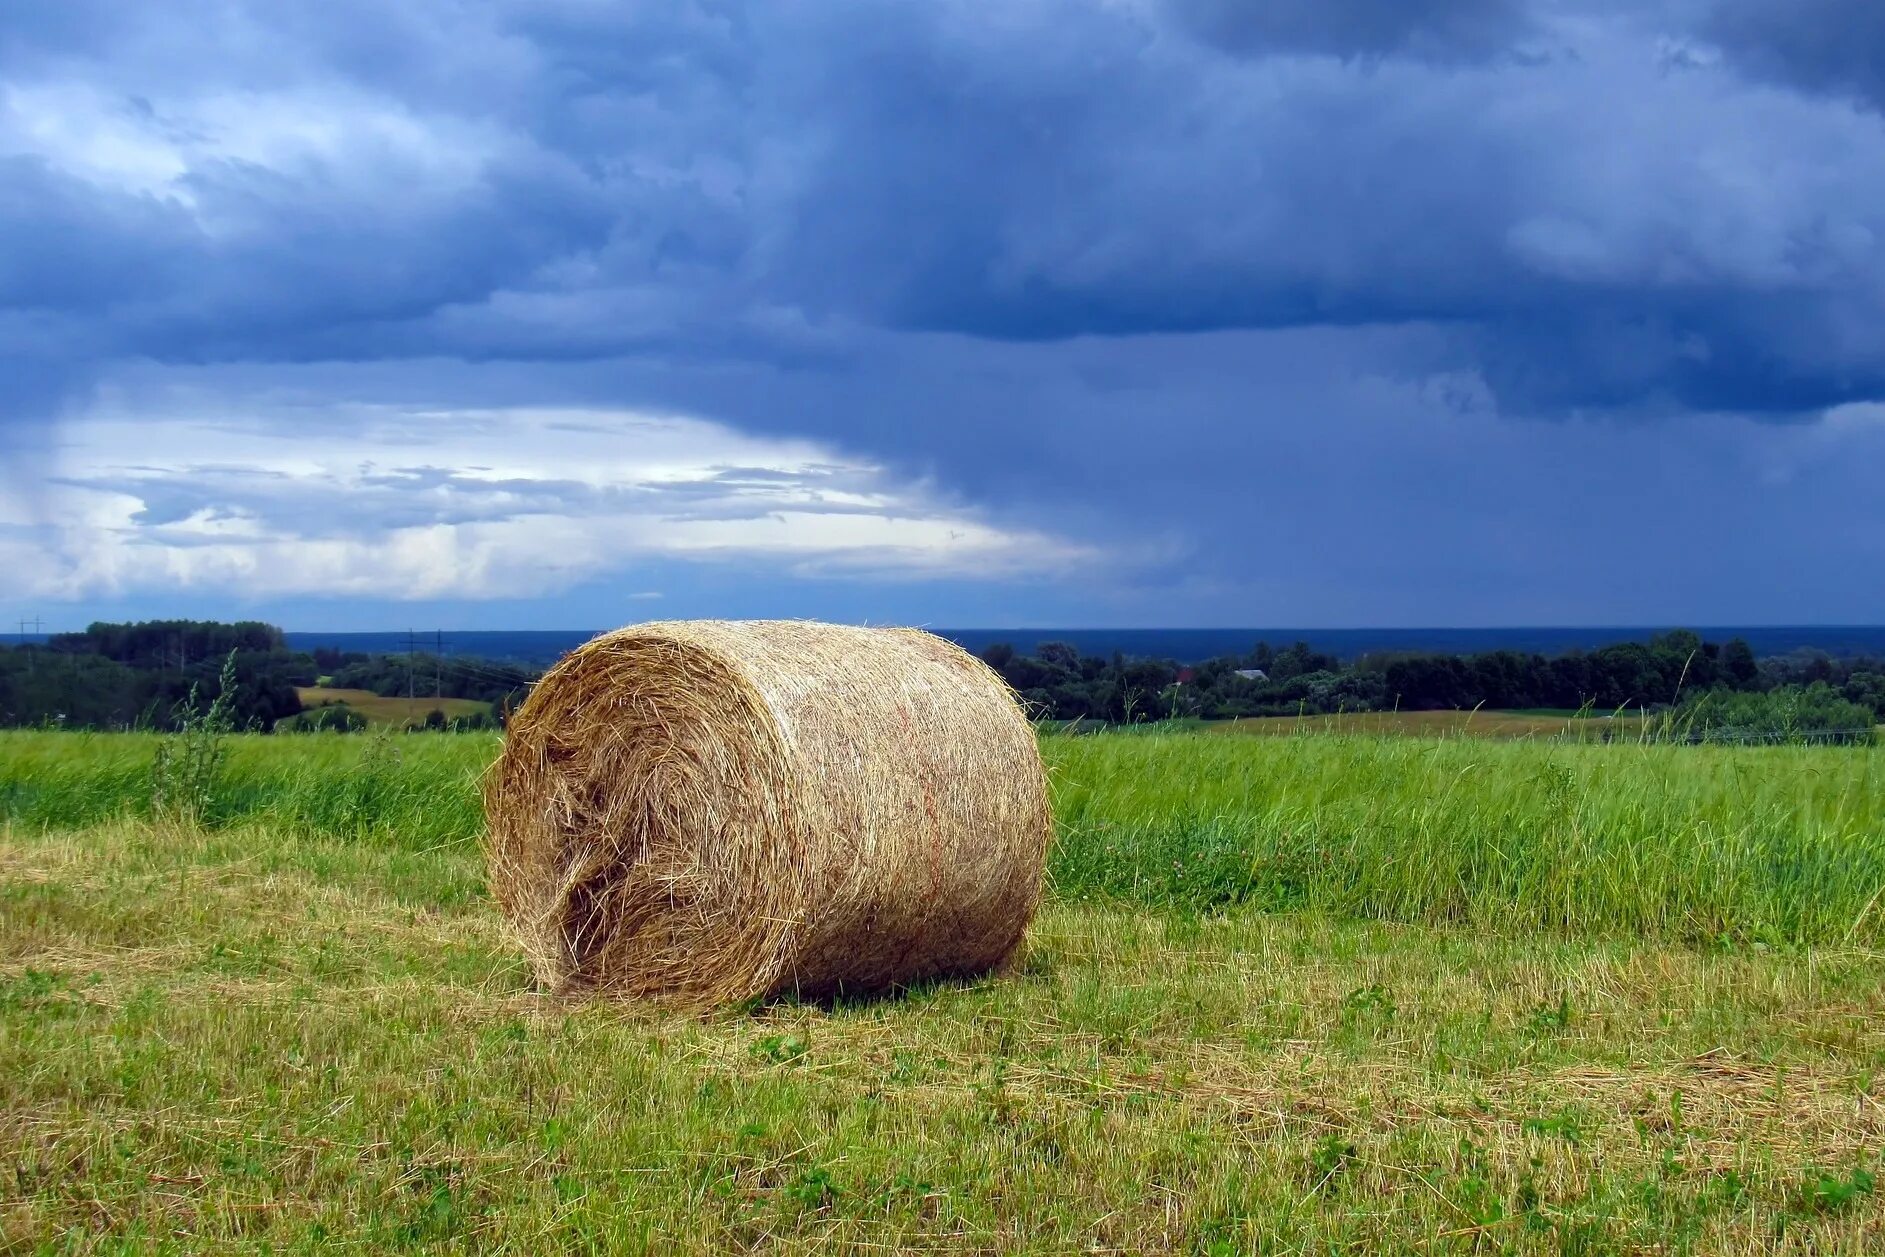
{"x": 1028, "y": 969}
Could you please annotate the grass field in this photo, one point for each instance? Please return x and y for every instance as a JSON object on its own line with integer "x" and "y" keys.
{"x": 379, "y": 709}
{"x": 1525, "y": 996}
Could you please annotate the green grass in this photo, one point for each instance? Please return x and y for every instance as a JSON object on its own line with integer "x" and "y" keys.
{"x": 1528, "y": 997}
{"x": 409, "y": 790}
{"x": 1698, "y": 844}
{"x": 1782, "y": 844}
{"x": 246, "y": 1037}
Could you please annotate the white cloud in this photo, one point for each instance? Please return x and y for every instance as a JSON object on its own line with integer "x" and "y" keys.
{"x": 265, "y": 498}
{"x": 352, "y": 141}
{"x": 79, "y": 129}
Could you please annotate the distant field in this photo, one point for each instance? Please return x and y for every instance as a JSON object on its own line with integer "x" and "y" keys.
{"x": 1472, "y": 724}
{"x": 381, "y": 710}
{"x": 1506, "y": 997}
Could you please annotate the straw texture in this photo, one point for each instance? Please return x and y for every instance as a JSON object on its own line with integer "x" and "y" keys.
{"x": 708, "y": 811}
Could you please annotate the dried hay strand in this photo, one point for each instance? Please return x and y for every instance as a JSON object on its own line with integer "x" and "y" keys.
{"x": 701, "y": 812}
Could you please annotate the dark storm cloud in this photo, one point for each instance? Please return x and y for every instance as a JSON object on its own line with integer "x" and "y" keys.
{"x": 564, "y": 180}
{"x": 345, "y": 181}
{"x": 1180, "y": 269}
{"x": 1442, "y": 29}
{"x": 73, "y": 251}
{"x": 1835, "y": 46}
{"x": 1615, "y": 228}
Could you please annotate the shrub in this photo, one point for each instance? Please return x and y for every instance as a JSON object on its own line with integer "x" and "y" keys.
{"x": 1791, "y": 713}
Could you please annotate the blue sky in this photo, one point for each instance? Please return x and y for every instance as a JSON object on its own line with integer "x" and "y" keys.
{"x": 544, "y": 313}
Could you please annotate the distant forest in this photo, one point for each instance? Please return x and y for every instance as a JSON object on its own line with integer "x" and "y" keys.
{"x": 1674, "y": 671}
{"x": 114, "y": 676}
{"x": 123, "y": 676}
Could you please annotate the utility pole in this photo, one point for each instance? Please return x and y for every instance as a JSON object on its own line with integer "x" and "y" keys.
{"x": 412, "y": 646}
{"x": 23, "y": 650}
{"x": 438, "y": 666}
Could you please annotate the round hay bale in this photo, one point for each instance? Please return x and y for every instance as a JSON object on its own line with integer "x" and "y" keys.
{"x": 708, "y": 811}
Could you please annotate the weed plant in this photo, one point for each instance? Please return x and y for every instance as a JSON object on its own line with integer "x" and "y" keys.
{"x": 184, "y": 765}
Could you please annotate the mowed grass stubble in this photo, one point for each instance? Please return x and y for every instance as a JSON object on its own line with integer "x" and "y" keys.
{"x": 224, "y": 1039}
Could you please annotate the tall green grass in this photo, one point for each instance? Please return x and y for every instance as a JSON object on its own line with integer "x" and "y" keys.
{"x": 1771, "y": 844}
{"x": 410, "y": 790}
{"x": 1760, "y": 845}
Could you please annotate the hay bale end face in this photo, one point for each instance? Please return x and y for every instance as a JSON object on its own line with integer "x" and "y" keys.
{"x": 707, "y": 811}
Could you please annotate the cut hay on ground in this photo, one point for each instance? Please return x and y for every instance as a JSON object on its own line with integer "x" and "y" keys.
{"x": 708, "y": 811}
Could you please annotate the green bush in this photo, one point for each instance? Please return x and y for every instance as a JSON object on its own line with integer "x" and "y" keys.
{"x": 1790, "y": 713}
{"x": 331, "y": 718}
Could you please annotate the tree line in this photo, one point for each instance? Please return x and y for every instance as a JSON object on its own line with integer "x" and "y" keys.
{"x": 503, "y": 685}
{"x": 121, "y": 676}
{"x": 1058, "y": 682}
{"x": 141, "y": 676}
